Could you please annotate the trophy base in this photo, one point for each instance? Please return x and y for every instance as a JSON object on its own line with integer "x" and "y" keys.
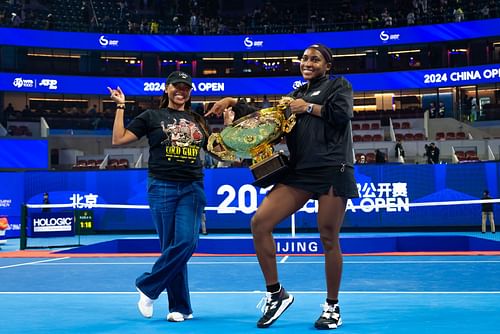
{"x": 269, "y": 171}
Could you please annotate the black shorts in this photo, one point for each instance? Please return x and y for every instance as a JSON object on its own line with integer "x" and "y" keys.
{"x": 319, "y": 180}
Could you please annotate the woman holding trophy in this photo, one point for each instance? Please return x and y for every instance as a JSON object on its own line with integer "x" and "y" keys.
{"x": 320, "y": 167}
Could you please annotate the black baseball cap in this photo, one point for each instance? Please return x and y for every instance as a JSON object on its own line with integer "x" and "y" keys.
{"x": 180, "y": 77}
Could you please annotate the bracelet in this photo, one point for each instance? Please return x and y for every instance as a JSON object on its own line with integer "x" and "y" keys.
{"x": 120, "y": 106}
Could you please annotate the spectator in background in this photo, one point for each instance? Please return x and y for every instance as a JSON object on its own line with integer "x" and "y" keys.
{"x": 49, "y": 23}
{"x": 9, "y": 110}
{"x": 265, "y": 102}
{"x": 399, "y": 152}
{"x": 432, "y": 153}
{"x": 46, "y": 201}
{"x": 487, "y": 213}
{"x": 380, "y": 157}
{"x": 362, "y": 159}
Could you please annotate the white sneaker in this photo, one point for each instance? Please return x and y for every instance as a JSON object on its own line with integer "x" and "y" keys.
{"x": 178, "y": 317}
{"x": 145, "y": 305}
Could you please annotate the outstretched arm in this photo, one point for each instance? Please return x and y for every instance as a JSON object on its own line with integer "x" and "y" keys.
{"x": 120, "y": 135}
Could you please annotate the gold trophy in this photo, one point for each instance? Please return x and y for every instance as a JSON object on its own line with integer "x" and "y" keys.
{"x": 253, "y": 137}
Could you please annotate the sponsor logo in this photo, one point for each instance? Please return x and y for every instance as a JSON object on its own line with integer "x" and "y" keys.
{"x": 5, "y": 203}
{"x": 296, "y": 84}
{"x": 59, "y": 224}
{"x": 384, "y": 37}
{"x": 23, "y": 83}
{"x": 51, "y": 83}
{"x": 105, "y": 42}
{"x": 249, "y": 43}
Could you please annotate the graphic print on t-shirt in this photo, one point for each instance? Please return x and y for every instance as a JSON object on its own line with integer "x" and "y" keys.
{"x": 183, "y": 140}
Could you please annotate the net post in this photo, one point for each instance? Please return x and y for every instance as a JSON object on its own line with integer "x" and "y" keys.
{"x": 22, "y": 237}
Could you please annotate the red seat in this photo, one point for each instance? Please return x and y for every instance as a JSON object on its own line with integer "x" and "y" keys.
{"x": 356, "y": 126}
{"x": 377, "y": 138}
{"x": 365, "y": 126}
{"x": 375, "y": 126}
{"x": 80, "y": 164}
{"x": 357, "y": 138}
{"x": 399, "y": 136}
{"x": 450, "y": 135}
{"x": 370, "y": 157}
{"x": 408, "y": 136}
{"x": 367, "y": 138}
{"x": 112, "y": 163}
{"x": 396, "y": 125}
{"x": 460, "y": 135}
{"x": 405, "y": 125}
{"x": 418, "y": 136}
{"x": 440, "y": 135}
{"x": 471, "y": 155}
{"x": 123, "y": 163}
{"x": 460, "y": 155}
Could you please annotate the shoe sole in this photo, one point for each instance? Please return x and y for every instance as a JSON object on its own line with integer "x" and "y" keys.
{"x": 327, "y": 327}
{"x": 286, "y": 304}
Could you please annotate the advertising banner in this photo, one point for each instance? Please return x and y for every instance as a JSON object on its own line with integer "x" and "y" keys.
{"x": 51, "y": 224}
{"x": 396, "y": 196}
{"x": 250, "y": 43}
{"x": 446, "y": 77}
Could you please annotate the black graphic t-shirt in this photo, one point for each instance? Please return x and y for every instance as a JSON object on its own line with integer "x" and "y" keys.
{"x": 175, "y": 140}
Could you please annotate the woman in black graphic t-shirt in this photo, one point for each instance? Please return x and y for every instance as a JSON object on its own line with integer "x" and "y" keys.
{"x": 175, "y": 189}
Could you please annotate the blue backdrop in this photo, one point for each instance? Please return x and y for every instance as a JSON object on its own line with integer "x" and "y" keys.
{"x": 387, "y": 195}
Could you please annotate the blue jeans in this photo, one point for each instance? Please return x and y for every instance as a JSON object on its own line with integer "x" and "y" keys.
{"x": 177, "y": 209}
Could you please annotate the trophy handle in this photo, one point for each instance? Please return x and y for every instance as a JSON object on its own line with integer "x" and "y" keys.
{"x": 288, "y": 124}
{"x": 215, "y": 141}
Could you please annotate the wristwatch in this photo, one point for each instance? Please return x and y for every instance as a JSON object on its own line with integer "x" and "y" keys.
{"x": 309, "y": 109}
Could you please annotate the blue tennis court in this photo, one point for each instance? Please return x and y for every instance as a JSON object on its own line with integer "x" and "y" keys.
{"x": 379, "y": 294}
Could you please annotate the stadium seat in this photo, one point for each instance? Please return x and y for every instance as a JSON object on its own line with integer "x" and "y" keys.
{"x": 377, "y": 138}
{"x": 440, "y": 135}
{"x": 418, "y": 136}
{"x": 405, "y": 125}
{"x": 356, "y": 126}
{"x": 112, "y": 163}
{"x": 408, "y": 137}
{"x": 375, "y": 126}
{"x": 460, "y": 155}
{"x": 365, "y": 126}
{"x": 367, "y": 137}
{"x": 460, "y": 135}
{"x": 370, "y": 157}
{"x": 399, "y": 136}
{"x": 450, "y": 135}
{"x": 396, "y": 125}
{"x": 357, "y": 138}
{"x": 123, "y": 163}
{"x": 471, "y": 155}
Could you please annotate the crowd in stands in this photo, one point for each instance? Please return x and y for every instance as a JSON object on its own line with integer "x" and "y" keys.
{"x": 206, "y": 17}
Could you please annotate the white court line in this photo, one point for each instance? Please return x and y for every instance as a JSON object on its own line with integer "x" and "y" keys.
{"x": 256, "y": 292}
{"x": 33, "y": 263}
{"x": 282, "y": 261}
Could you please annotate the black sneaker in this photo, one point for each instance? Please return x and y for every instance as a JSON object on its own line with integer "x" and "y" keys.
{"x": 275, "y": 305}
{"x": 330, "y": 318}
